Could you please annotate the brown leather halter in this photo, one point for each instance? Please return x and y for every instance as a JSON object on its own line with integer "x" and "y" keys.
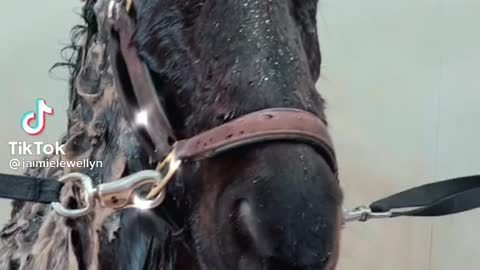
{"x": 138, "y": 94}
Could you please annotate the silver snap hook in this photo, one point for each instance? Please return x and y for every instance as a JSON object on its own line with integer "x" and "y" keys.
{"x": 88, "y": 196}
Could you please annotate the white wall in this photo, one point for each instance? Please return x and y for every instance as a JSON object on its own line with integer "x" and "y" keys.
{"x": 32, "y": 34}
{"x": 401, "y": 81}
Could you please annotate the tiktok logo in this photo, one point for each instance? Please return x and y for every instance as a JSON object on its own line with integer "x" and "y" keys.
{"x": 39, "y": 116}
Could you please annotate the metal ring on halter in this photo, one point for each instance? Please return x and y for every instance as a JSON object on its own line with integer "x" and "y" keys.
{"x": 148, "y": 203}
{"x": 88, "y": 196}
{"x": 173, "y": 164}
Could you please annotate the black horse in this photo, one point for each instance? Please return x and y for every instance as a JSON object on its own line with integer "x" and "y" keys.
{"x": 273, "y": 205}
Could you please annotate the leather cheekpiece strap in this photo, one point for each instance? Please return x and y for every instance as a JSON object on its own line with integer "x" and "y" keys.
{"x": 140, "y": 101}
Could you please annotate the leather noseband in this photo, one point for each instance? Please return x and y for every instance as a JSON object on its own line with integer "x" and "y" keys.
{"x": 276, "y": 124}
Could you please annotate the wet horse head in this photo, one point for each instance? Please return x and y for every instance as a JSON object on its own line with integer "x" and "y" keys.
{"x": 274, "y": 205}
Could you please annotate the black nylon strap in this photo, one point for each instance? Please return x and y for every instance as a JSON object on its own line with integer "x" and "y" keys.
{"x": 26, "y": 188}
{"x": 435, "y": 199}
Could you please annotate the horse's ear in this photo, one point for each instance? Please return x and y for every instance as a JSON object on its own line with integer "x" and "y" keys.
{"x": 305, "y": 12}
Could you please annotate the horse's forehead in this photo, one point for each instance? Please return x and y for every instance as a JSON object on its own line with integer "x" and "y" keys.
{"x": 231, "y": 57}
{"x": 242, "y": 11}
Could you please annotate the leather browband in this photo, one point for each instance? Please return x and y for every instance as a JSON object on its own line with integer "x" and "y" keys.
{"x": 276, "y": 124}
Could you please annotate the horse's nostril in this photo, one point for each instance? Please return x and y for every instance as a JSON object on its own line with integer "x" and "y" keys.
{"x": 248, "y": 231}
{"x": 247, "y": 220}
{"x": 242, "y": 234}
{"x": 244, "y": 209}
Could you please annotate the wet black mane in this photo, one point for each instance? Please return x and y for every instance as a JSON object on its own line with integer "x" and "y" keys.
{"x": 160, "y": 244}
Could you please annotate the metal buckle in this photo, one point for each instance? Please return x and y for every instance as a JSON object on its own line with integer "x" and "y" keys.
{"x": 364, "y": 213}
{"x": 123, "y": 193}
{"x": 115, "y": 5}
{"x": 129, "y": 5}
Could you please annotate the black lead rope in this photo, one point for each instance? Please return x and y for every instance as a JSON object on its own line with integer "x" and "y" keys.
{"x": 436, "y": 199}
{"x": 32, "y": 189}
